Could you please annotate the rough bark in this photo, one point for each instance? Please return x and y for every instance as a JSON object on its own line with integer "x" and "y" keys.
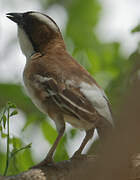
{"x": 65, "y": 170}
{"x": 73, "y": 169}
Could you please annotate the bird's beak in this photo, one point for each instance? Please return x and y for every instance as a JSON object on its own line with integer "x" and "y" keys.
{"x": 16, "y": 17}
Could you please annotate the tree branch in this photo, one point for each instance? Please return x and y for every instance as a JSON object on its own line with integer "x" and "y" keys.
{"x": 73, "y": 169}
{"x": 65, "y": 170}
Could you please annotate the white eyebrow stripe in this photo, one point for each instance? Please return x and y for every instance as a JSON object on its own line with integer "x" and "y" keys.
{"x": 46, "y": 20}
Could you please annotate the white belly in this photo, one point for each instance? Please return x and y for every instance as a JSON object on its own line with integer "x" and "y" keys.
{"x": 78, "y": 123}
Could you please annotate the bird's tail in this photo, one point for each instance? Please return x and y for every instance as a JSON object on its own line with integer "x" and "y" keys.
{"x": 104, "y": 129}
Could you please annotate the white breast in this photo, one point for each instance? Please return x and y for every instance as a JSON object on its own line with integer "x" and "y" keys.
{"x": 25, "y": 43}
{"x": 31, "y": 93}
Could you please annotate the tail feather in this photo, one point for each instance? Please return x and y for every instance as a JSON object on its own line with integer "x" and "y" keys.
{"x": 104, "y": 129}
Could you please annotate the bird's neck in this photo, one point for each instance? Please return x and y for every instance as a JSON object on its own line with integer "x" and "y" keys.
{"x": 52, "y": 45}
{"x": 43, "y": 45}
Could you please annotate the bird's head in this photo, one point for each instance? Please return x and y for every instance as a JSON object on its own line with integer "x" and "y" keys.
{"x": 36, "y": 32}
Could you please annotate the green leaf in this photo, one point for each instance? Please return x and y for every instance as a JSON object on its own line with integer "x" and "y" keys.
{"x": 32, "y": 118}
{"x": 61, "y": 152}
{"x": 24, "y": 160}
{"x": 14, "y": 113}
{"x": 73, "y": 133}
{"x": 11, "y": 105}
{"x": 49, "y": 132}
{"x": 3, "y": 135}
{"x": 4, "y": 119}
{"x": 17, "y": 143}
{"x": 2, "y": 165}
{"x": 15, "y": 150}
{"x": 16, "y": 94}
{"x": 21, "y": 158}
{"x": 136, "y": 29}
{"x": 10, "y": 140}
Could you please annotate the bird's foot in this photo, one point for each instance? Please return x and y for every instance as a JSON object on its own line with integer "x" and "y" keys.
{"x": 46, "y": 162}
{"x": 77, "y": 155}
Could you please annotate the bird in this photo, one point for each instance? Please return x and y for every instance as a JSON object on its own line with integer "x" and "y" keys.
{"x": 57, "y": 84}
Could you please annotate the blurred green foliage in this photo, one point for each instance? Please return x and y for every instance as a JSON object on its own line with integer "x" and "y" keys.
{"x": 103, "y": 60}
{"x": 10, "y": 164}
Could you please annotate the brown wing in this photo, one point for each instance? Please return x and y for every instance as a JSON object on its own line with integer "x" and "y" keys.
{"x": 69, "y": 98}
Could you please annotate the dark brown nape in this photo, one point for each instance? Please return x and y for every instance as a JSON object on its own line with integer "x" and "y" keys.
{"x": 43, "y": 37}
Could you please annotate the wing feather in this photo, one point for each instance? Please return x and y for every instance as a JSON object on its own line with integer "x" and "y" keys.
{"x": 68, "y": 98}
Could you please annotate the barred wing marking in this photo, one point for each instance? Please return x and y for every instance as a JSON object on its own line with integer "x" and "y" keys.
{"x": 76, "y": 99}
{"x": 65, "y": 97}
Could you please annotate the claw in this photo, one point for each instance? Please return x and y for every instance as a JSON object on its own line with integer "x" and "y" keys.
{"x": 44, "y": 163}
{"x": 77, "y": 156}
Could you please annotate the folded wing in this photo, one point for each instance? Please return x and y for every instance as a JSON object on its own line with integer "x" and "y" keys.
{"x": 82, "y": 100}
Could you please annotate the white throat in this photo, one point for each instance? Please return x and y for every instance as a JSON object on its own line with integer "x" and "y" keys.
{"x": 25, "y": 43}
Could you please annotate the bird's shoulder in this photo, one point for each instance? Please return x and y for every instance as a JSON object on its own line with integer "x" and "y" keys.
{"x": 61, "y": 66}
